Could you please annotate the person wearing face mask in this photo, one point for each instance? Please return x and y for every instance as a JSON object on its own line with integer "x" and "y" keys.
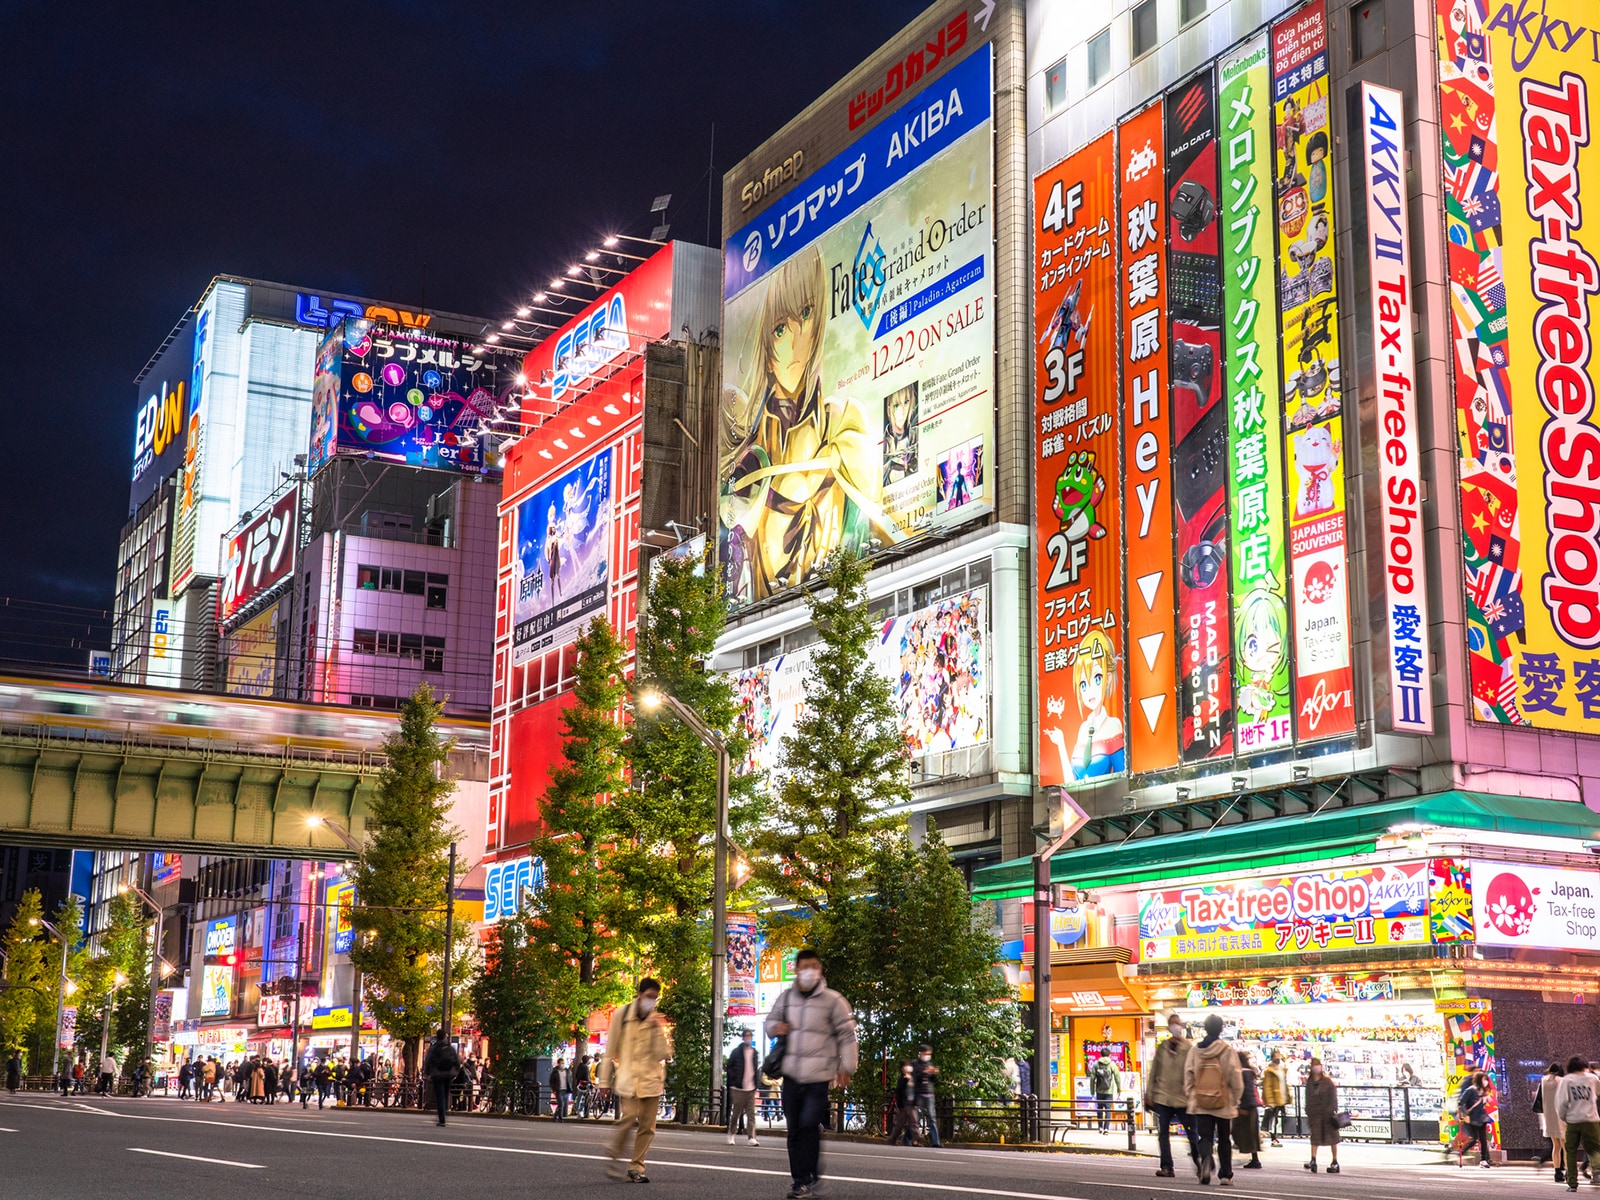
{"x": 1322, "y": 1115}
{"x": 744, "y": 1077}
{"x": 1163, "y": 1092}
{"x": 635, "y": 1069}
{"x": 1275, "y": 1096}
{"x": 819, "y": 1051}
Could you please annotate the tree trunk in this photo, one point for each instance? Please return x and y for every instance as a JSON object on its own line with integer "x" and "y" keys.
{"x": 411, "y": 1054}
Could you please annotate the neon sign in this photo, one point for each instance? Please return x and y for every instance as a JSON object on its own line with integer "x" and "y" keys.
{"x": 595, "y": 341}
{"x": 309, "y": 310}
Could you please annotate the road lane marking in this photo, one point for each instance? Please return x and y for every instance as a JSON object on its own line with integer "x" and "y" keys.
{"x": 221, "y": 1162}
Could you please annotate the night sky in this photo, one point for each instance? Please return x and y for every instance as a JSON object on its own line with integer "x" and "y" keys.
{"x": 451, "y": 155}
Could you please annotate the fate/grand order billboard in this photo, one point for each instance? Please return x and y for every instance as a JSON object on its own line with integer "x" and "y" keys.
{"x": 858, "y": 356}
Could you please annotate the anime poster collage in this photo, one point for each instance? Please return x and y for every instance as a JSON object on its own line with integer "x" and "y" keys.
{"x": 1186, "y": 328}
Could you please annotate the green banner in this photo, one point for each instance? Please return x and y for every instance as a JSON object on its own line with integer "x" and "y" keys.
{"x": 1263, "y": 716}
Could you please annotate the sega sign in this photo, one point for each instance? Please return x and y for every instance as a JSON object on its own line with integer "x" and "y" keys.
{"x": 504, "y": 883}
{"x": 595, "y": 341}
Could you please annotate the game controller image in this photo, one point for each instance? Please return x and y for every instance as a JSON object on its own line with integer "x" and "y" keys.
{"x": 1193, "y": 209}
{"x": 1192, "y": 365}
{"x": 1201, "y": 462}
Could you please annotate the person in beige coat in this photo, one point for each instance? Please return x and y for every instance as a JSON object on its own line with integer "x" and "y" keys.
{"x": 635, "y": 1069}
{"x": 1163, "y": 1092}
{"x": 1212, "y": 1086}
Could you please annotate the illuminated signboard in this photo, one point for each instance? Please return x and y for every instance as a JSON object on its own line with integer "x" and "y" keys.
{"x": 504, "y": 884}
{"x": 341, "y": 915}
{"x": 261, "y": 554}
{"x": 858, "y": 329}
{"x": 1519, "y": 100}
{"x": 164, "y": 664}
{"x": 272, "y": 1012}
{"x": 222, "y": 937}
{"x": 216, "y": 990}
{"x": 562, "y": 569}
{"x": 1400, "y": 486}
{"x": 164, "y": 867}
{"x": 162, "y": 416}
{"x": 404, "y": 396}
{"x": 1077, "y": 518}
{"x": 1348, "y": 909}
{"x": 315, "y": 313}
{"x": 1263, "y": 712}
{"x": 253, "y": 655}
{"x": 1529, "y": 907}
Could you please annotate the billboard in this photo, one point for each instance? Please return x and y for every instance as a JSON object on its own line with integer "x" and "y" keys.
{"x": 1400, "y": 486}
{"x": 164, "y": 664}
{"x": 744, "y": 951}
{"x": 504, "y": 883}
{"x": 858, "y": 347}
{"x": 216, "y": 990}
{"x": 165, "y": 866}
{"x": 162, "y": 416}
{"x": 1076, "y": 495}
{"x": 341, "y": 898}
{"x": 1263, "y": 709}
{"x": 1535, "y": 908}
{"x": 1517, "y": 115}
{"x": 561, "y": 568}
{"x": 1313, "y": 405}
{"x": 403, "y": 395}
{"x": 1152, "y": 678}
{"x": 253, "y": 655}
{"x": 261, "y": 554}
{"x": 186, "y": 512}
{"x": 1199, "y": 422}
{"x": 1334, "y": 909}
{"x": 222, "y": 936}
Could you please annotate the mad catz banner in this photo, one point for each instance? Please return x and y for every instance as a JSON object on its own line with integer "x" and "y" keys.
{"x": 1394, "y": 362}
{"x": 1253, "y": 382}
{"x": 1309, "y": 315}
{"x": 1075, "y": 442}
{"x": 1517, "y": 101}
{"x": 1199, "y": 422}
{"x": 1147, "y": 443}
{"x": 1337, "y": 909}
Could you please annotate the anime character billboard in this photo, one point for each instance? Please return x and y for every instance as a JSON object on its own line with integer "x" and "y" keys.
{"x": 563, "y": 557}
{"x": 859, "y": 350}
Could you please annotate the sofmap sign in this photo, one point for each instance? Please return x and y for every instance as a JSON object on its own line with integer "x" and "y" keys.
{"x": 1519, "y": 96}
{"x": 1528, "y": 907}
{"x": 504, "y": 883}
{"x": 1399, "y": 463}
{"x": 261, "y": 554}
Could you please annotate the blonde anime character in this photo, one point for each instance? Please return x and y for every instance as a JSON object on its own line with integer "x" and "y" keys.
{"x": 800, "y": 472}
{"x": 1101, "y": 746}
{"x": 1262, "y": 646}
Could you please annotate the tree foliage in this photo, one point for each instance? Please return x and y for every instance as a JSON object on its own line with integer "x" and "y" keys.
{"x": 401, "y": 882}
{"x": 576, "y": 914}
{"x": 845, "y": 763}
{"x": 919, "y": 969}
{"x": 506, "y": 998}
{"x": 124, "y": 951}
{"x": 28, "y": 989}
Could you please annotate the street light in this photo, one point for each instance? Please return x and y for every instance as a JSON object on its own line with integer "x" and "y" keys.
{"x": 117, "y": 980}
{"x": 652, "y": 699}
{"x": 55, "y": 1056}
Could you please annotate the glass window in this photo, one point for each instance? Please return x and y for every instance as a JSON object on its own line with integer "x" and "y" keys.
{"x": 415, "y": 581}
{"x": 438, "y": 590}
{"x": 1099, "y": 57}
{"x": 433, "y": 654}
{"x": 978, "y": 574}
{"x": 391, "y": 579}
{"x": 1190, "y": 10}
{"x": 1366, "y": 30}
{"x": 410, "y": 645}
{"x": 388, "y": 643}
{"x": 1144, "y": 28}
{"x": 367, "y": 577}
{"x": 366, "y": 641}
{"x": 1055, "y": 86}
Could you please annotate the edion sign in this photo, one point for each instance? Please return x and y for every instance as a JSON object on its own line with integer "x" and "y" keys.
{"x": 1394, "y": 360}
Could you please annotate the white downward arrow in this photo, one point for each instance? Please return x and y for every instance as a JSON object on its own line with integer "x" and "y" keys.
{"x": 1150, "y": 646}
{"x": 1152, "y": 709}
{"x": 1147, "y": 588}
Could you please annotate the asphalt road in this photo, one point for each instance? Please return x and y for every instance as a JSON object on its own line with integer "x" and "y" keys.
{"x": 158, "y": 1149}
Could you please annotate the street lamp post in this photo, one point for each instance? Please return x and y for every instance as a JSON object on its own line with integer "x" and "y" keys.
{"x": 61, "y": 994}
{"x": 117, "y": 980}
{"x": 719, "y": 887}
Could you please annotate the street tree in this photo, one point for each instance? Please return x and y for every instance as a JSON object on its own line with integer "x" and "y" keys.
{"x": 846, "y": 762}
{"x": 68, "y": 917}
{"x": 401, "y": 882}
{"x": 506, "y": 998}
{"x": 920, "y": 969}
{"x": 666, "y": 822}
{"x": 26, "y": 989}
{"x": 576, "y": 914}
{"x": 124, "y": 953}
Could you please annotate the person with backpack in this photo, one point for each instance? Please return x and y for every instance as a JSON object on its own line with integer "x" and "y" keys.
{"x": 1164, "y": 1095}
{"x": 819, "y": 1051}
{"x": 441, "y": 1066}
{"x": 1246, "y": 1126}
{"x": 637, "y": 1049}
{"x": 1212, "y": 1085}
{"x": 1579, "y": 1113}
{"x": 1322, "y": 1115}
{"x": 1106, "y": 1084}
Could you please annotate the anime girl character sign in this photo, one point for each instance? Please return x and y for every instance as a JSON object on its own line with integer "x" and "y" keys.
{"x": 1261, "y": 641}
{"x": 562, "y": 567}
{"x": 1101, "y": 745}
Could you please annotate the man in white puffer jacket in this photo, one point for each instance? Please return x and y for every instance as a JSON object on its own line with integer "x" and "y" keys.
{"x": 819, "y": 1052}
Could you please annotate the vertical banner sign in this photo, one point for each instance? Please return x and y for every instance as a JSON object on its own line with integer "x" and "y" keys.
{"x": 1199, "y": 422}
{"x": 1263, "y": 711}
{"x": 744, "y": 952}
{"x": 1076, "y": 499}
{"x": 69, "y": 1027}
{"x": 1308, "y": 310}
{"x": 1147, "y": 444}
{"x": 1518, "y": 102}
{"x": 1405, "y": 581}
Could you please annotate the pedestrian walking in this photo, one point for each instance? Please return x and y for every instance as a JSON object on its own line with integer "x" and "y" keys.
{"x": 582, "y": 1086}
{"x": 65, "y": 1082}
{"x": 269, "y": 1081}
{"x": 819, "y": 1051}
{"x": 1106, "y": 1083}
{"x": 925, "y": 1073}
{"x": 560, "y": 1087}
{"x": 1247, "y": 1126}
{"x": 308, "y": 1084}
{"x": 441, "y": 1066}
{"x": 14, "y": 1071}
{"x": 1212, "y": 1085}
{"x": 1322, "y": 1115}
{"x": 1575, "y": 1105}
{"x": 108, "y": 1075}
{"x": 1473, "y": 1109}
{"x": 1545, "y": 1098}
{"x": 289, "y": 1078}
{"x": 1164, "y": 1095}
{"x": 1013, "y": 1076}
{"x": 903, "y": 1111}
{"x": 635, "y": 1068}
{"x": 1275, "y": 1096}
{"x": 185, "y": 1074}
{"x": 324, "y": 1080}
{"x": 744, "y": 1077}
{"x": 209, "y": 1078}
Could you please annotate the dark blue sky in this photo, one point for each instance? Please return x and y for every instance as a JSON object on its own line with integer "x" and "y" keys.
{"x": 441, "y": 153}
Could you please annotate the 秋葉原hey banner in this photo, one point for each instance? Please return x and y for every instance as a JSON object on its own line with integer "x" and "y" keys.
{"x": 858, "y": 347}
{"x": 1519, "y": 94}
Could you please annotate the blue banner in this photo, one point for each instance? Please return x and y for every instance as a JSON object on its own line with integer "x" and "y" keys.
{"x": 930, "y": 123}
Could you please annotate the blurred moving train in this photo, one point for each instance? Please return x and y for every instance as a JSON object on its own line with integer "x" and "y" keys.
{"x": 249, "y": 724}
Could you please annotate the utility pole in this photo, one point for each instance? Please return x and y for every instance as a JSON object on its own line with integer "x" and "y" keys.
{"x": 449, "y": 937}
{"x": 1066, "y": 818}
{"x": 299, "y": 986}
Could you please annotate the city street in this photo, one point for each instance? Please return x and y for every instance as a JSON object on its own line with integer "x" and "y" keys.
{"x": 147, "y": 1148}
